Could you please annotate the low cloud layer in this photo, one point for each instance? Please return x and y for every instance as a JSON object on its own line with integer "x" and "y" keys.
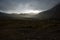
{"x": 22, "y": 5}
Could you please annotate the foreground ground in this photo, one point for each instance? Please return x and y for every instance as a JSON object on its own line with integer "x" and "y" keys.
{"x": 29, "y": 30}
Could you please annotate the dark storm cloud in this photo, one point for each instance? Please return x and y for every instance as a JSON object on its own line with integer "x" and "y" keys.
{"x": 21, "y": 5}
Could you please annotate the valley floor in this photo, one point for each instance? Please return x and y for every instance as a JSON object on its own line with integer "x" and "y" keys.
{"x": 29, "y": 30}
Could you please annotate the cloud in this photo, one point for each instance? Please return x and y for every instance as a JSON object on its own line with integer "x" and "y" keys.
{"x": 21, "y": 5}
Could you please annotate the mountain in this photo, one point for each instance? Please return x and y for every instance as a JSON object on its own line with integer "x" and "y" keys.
{"x": 53, "y": 13}
{"x": 4, "y": 16}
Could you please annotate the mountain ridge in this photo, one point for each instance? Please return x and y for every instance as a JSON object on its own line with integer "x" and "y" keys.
{"x": 53, "y": 13}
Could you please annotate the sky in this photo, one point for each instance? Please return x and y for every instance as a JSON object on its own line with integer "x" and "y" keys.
{"x": 12, "y": 6}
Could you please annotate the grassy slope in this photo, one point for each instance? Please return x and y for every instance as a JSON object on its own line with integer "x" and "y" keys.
{"x": 25, "y": 29}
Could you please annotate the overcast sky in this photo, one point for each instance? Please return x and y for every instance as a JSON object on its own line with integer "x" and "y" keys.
{"x": 21, "y": 5}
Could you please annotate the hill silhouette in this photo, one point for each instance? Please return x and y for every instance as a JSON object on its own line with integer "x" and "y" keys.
{"x": 5, "y": 16}
{"x": 17, "y": 29}
{"x": 53, "y": 13}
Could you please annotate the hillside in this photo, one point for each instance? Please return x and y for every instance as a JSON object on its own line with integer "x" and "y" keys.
{"x": 53, "y": 13}
{"x": 17, "y": 29}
